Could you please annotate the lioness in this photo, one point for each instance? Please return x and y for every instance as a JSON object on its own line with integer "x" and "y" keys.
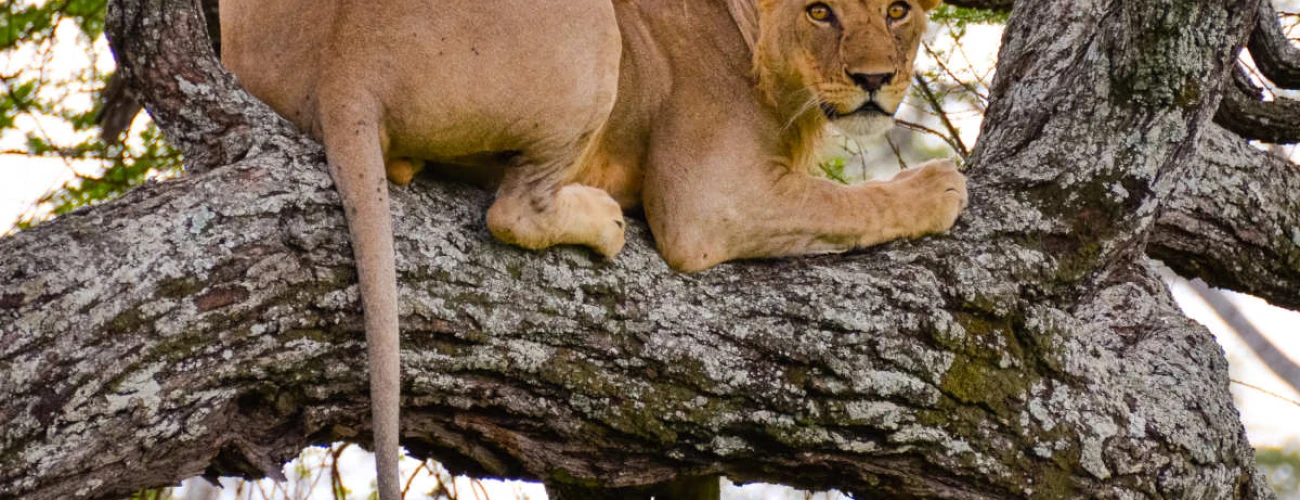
{"x": 703, "y": 112}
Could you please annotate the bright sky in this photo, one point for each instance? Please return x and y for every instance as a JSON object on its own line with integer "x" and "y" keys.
{"x": 1269, "y": 419}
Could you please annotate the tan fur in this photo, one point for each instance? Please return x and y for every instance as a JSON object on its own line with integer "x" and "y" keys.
{"x": 704, "y": 112}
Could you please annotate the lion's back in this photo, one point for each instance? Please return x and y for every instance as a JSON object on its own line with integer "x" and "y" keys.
{"x": 469, "y": 75}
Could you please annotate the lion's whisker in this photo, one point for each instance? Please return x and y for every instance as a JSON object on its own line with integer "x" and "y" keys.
{"x": 814, "y": 100}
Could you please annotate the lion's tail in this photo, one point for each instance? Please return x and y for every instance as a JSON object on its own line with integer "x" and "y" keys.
{"x": 353, "y": 148}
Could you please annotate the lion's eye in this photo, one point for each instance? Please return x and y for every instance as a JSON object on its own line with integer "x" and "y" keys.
{"x": 898, "y": 11}
{"x": 820, "y": 12}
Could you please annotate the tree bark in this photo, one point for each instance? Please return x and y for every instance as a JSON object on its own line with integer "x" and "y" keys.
{"x": 209, "y": 325}
{"x": 1231, "y": 217}
{"x": 1277, "y": 58}
{"x": 1246, "y": 112}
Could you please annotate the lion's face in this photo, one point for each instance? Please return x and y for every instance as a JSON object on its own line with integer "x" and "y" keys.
{"x": 849, "y": 59}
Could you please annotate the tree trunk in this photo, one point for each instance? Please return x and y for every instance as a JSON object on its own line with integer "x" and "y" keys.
{"x": 209, "y": 325}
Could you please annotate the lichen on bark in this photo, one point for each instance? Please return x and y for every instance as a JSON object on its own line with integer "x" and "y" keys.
{"x": 210, "y": 324}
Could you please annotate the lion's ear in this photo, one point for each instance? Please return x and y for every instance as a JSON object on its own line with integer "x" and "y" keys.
{"x": 929, "y": 5}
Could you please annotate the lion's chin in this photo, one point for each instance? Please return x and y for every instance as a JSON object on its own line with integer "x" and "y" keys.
{"x": 863, "y": 125}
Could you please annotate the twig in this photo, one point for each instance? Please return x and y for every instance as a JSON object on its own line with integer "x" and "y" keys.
{"x": 954, "y": 139}
{"x": 411, "y": 480}
{"x": 1265, "y": 391}
{"x": 956, "y": 146}
{"x": 336, "y": 479}
{"x": 902, "y": 165}
{"x": 970, "y": 87}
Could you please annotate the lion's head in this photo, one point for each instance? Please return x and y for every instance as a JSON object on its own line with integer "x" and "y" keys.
{"x": 847, "y": 61}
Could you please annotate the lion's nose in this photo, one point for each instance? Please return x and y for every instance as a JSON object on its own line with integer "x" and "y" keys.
{"x": 871, "y": 82}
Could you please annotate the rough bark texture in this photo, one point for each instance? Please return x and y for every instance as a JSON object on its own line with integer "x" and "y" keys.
{"x": 1231, "y": 217}
{"x": 210, "y": 324}
{"x": 1277, "y": 58}
{"x": 1246, "y": 113}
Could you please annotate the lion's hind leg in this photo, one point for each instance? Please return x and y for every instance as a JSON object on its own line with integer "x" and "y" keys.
{"x": 534, "y": 209}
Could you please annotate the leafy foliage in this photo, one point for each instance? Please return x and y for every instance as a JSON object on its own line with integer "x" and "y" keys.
{"x": 125, "y": 168}
{"x": 1282, "y": 466}
{"x": 34, "y": 23}
{"x": 833, "y": 169}
{"x": 54, "y": 105}
{"x": 961, "y": 16}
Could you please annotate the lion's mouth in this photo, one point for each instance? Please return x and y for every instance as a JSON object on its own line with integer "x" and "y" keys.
{"x": 869, "y": 108}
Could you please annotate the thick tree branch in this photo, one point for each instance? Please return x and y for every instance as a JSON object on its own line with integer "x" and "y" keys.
{"x": 218, "y": 332}
{"x": 1276, "y": 57}
{"x": 1093, "y": 201}
{"x": 209, "y": 324}
{"x": 120, "y": 102}
{"x": 1245, "y": 112}
{"x": 185, "y": 77}
{"x": 1232, "y": 218}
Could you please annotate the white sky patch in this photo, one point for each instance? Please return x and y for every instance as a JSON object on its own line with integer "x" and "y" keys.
{"x": 971, "y": 61}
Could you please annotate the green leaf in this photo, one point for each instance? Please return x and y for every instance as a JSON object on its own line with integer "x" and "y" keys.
{"x": 959, "y": 17}
{"x": 89, "y": 15}
{"x": 833, "y": 169}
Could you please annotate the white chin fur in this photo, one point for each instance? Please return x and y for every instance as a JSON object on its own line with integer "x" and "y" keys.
{"x": 864, "y": 127}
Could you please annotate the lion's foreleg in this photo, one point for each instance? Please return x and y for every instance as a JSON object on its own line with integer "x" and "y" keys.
{"x": 767, "y": 214}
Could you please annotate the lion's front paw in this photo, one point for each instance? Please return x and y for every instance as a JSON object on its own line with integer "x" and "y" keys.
{"x": 939, "y": 192}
